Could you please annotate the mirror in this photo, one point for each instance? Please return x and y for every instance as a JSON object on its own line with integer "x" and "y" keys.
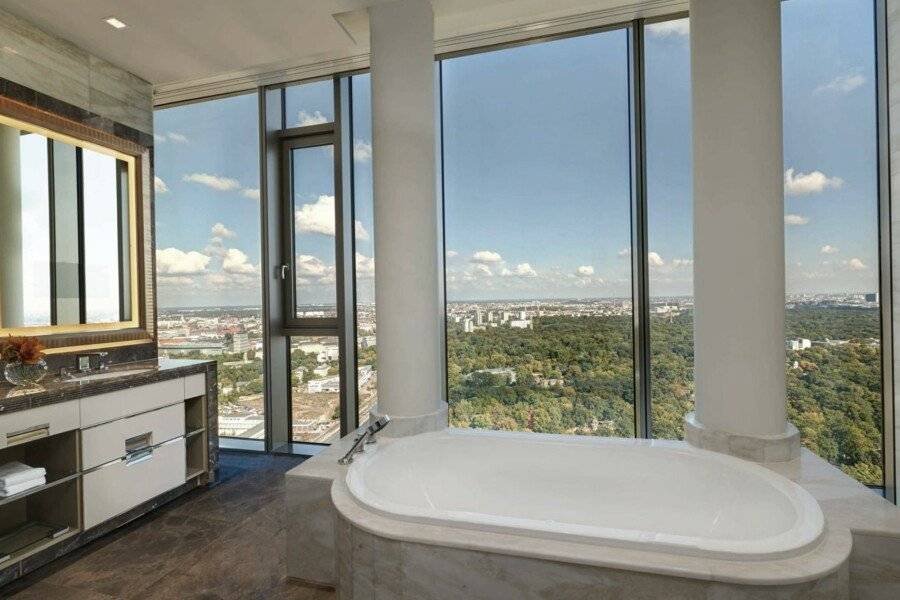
{"x": 68, "y": 249}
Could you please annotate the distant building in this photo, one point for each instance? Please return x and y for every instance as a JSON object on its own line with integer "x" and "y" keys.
{"x": 798, "y": 344}
{"x": 468, "y": 326}
{"x": 326, "y": 385}
{"x": 523, "y": 315}
{"x": 507, "y": 372}
{"x": 237, "y": 343}
{"x": 520, "y": 324}
{"x": 321, "y": 371}
{"x": 367, "y": 341}
{"x": 479, "y": 318}
{"x": 505, "y": 316}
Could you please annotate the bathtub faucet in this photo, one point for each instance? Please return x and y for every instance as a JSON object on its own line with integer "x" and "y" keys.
{"x": 367, "y": 436}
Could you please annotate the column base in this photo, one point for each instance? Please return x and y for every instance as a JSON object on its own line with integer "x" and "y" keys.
{"x": 762, "y": 449}
{"x": 405, "y": 426}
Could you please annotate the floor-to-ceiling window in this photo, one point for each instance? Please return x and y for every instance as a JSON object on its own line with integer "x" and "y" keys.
{"x": 537, "y": 209}
{"x": 208, "y": 249}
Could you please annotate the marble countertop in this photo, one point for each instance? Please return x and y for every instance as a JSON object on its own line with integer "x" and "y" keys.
{"x": 53, "y": 389}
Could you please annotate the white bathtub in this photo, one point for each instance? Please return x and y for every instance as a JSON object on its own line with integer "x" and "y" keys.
{"x": 639, "y": 494}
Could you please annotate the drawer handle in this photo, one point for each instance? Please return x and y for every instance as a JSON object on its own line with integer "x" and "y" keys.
{"x": 139, "y": 442}
{"x": 138, "y": 457}
{"x": 26, "y": 435}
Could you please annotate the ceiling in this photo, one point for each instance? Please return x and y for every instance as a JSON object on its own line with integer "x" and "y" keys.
{"x": 173, "y": 40}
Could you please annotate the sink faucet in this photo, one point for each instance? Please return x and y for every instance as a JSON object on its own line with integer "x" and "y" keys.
{"x": 368, "y": 436}
{"x": 83, "y": 361}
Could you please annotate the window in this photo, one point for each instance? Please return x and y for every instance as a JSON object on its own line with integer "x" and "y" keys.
{"x": 208, "y": 249}
{"x": 35, "y": 228}
{"x": 831, "y": 233}
{"x": 537, "y": 209}
{"x": 315, "y": 389}
{"x": 667, "y": 84}
{"x": 364, "y": 234}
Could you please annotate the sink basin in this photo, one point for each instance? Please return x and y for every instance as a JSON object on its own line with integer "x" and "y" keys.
{"x": 108, "y": 375}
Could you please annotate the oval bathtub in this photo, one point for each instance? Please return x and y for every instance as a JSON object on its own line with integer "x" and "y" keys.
{"x": 642, "y": 494}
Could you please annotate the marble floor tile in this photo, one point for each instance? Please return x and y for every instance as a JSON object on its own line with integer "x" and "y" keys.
{"x": 226, "y": 541}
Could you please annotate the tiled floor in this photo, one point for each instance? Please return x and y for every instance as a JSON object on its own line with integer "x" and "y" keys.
{"x": 223, "y": 542}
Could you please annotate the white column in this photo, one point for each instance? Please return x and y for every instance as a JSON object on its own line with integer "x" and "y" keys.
{"x": 407, "y": 255}
{"x": 738, "y": 231}
{"x": 12, "y": 312}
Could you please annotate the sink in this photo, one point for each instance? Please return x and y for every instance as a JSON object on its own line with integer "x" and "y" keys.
{"x": 108, "y": 375}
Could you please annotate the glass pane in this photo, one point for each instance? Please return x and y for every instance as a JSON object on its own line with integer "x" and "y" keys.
{"x": 312, "y": 173}
{"x": 33, "y": 166}
{"x": 315, "y": 389}
{"x": 367, "y": 356}
{"x": 831, "y": 233}
{"x": 667, "y": 71}
{"x": 101, "y": 245}
{"x": 309, "y": 104}
{"x": 208, "y": 256}
{"x": 537, "y": 208}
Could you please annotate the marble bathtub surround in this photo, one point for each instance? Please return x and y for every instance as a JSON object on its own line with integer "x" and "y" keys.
{"x": 861, "y": 526}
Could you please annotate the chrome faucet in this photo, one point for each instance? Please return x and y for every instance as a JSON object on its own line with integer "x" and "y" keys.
{"x": 367, "y": 436}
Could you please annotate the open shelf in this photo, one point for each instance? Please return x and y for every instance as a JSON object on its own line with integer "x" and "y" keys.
{"x": 195, "y": 437}
{"x": 53, "y": 479}
{"x": 40, "y": 518}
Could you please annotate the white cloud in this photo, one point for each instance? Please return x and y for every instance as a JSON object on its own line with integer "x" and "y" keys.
{"x": 521, "y": 270}
{"x": 624, "y": 253}
{"x": 172, "y": 261}
{"x": 655, "y": 260}
{"x": 220, "y": 231}
{"x": 159, "y": 186}
{"x": 306, "y": 119}
{"x": 362, "y": 151}
{"x": 318, "y": 217}
{"x": 223, "y": 184}
{"x": 584, "y": 271}
{"x": 828, "y": 249}
{"x": 482, "y": 271}
{"x": 452, "y": 253}
{"x": 486, "y": 257}
{"x": 676, "y": 28}
{"x": 842, "y": 84}
{"x": 682, "y": 262}
{"x": 365, "y": 266}
{"x": 252, "y": 193}
{"x": 795, "y": 220}
{"x": 237, "y": 263}
{"x": 815, "y": 182}
{"x": 854, "y": 264}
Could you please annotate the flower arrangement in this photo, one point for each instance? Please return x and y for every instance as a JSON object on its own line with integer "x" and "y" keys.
{"x": 26, "y": 350}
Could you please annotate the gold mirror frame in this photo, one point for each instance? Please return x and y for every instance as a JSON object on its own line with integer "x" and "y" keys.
{"x": 138, "y": 330}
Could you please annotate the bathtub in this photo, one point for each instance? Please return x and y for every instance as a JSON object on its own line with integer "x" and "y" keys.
{"x": 637, "y": 494}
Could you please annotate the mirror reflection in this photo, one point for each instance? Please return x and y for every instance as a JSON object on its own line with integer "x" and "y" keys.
{"x": 65, "y": 231}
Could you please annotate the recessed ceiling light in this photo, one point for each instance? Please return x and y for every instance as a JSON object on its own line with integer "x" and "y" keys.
{"x": 115, "y": 22}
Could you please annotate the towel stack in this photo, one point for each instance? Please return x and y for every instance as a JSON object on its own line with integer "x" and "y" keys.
{"x": 16, "y": 477}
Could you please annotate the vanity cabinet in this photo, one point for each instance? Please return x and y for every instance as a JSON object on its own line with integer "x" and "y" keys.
{"x": 109, "y": 458}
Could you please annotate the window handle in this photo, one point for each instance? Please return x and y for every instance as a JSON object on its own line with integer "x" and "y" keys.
{"x": 284, "y": 270}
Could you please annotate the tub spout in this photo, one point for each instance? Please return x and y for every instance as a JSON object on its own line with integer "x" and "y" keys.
{"x": 368, "y": 436}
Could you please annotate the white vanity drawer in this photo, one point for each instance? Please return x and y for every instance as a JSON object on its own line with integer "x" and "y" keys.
{"x": 115, "y": 405}
{"x": 194, "y": 385}
{"x": 120, "y": 486}
{"x": 43, "y": 421}
{"x": 103, "y": 443}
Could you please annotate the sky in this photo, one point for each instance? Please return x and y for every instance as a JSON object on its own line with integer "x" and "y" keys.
{"x": 536, "y": 171}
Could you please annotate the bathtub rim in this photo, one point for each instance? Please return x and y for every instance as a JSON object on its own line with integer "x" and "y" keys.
{"x": 804, "y": 536}
{"x": 831, "y": 553}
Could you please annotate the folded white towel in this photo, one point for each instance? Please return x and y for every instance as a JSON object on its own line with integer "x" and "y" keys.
{"x": 14, "y": 473}
{"x": 12, "y": 490}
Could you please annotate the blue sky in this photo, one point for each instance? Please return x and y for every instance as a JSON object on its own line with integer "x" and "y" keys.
{"x": 536, "y": 171}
